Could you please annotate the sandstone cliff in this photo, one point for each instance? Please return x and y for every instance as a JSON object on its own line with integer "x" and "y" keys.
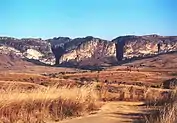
{"x": 140, "y": 46}
{"x": 28, "y": 48}
{"x": 88, "y": 51}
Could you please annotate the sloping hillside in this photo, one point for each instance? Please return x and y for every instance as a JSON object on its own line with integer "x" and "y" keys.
{"x": 12, "y": 61}
{"x": 161, "y": 62}
{"x": 168, "y": 61}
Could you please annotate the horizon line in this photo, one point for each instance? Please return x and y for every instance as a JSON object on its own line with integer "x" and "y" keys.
{"x": 35, "y": 37}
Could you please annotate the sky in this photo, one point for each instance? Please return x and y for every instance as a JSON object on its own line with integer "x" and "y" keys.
{"x": 79, "y": 18}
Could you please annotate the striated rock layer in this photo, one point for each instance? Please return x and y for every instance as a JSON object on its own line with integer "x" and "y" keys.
{"x": 88, "y": 51}
{"x": 29, "y": 48}
{"x": 141, "y": 46}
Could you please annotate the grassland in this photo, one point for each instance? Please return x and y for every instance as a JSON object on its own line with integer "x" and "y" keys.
{"x": 45, "y": 104}
{"x": 166, "y": 113}
{"x": 34, "y": 98}
{"x": 48, "y": 95}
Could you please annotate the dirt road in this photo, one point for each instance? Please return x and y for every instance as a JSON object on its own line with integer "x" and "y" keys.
{"x": 114, "y": 112}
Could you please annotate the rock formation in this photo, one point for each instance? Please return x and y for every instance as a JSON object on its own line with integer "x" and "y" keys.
{"x": 141, "y": 46}
{"x": 87, "y": 51}
{"x": 29, "y": 48}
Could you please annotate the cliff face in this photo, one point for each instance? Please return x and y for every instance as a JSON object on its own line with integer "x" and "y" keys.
{"x": 58, "y": 47}
{"x": 88, "y": 51}
{"x": 140, "y": 46}
{"x": 28, "y": 48}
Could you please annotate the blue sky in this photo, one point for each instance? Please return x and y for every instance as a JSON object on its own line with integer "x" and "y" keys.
{"x": 78, "y": 18}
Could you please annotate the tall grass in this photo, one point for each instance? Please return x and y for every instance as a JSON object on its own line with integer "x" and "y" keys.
{"x": 166, "y": 113}
{"x": 131, "y": 93}
{"x": 45, "y": 104}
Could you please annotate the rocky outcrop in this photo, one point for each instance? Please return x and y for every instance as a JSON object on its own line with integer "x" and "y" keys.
{"x": 141, "y": 46}
{"x": 29, "y": 48}
{"x": 58, "y": 47}
{"x": 98, "y": 52}
{"x": 88, "y": 51}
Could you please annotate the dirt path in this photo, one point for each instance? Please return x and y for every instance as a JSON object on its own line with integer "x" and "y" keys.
{"x": 113, "y": 112}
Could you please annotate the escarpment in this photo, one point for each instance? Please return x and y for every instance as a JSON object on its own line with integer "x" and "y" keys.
{"x": 141, "y": 46}
{"x": 90, "y": 51}
{"x": 34, "y": 49}
{"x": 87, "y": 51}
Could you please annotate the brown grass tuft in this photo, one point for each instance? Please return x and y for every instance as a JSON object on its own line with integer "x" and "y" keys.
{"x": 166, "y": 113}
{"x": 45, "y": 104}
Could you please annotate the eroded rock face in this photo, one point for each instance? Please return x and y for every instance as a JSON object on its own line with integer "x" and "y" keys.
{"x": 58, "y": 47}
{"x": 29, "y": 48}
{"x": 85, "y": 51}
{"x": 141, "y": 46}
{"x": 88, "y": 51}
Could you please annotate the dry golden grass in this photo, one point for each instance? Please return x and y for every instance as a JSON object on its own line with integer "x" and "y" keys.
{"x": 37, "y": 79}
{"x": 122, "y": 92}
{"x": 31, "y": 102}
{"x": 119, "y": 76}
{"x": 166, "y": 113}
{"x": 45, "y": 104}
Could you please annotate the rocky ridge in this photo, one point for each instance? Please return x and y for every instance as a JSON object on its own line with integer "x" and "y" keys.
{"x": 28, "y": 48}
{"x": 88, "y": 51}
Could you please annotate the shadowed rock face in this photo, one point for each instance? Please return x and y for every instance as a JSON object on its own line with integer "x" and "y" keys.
{"x": 58, "y": 47}
{"x": 58, "y": 52}
{"x": 158, "y": 46}
{"x": 120, "y": 46}
{"x": 120, "y": 50}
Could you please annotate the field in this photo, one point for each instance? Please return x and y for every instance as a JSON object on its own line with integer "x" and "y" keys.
{"x": 126, "y": 93}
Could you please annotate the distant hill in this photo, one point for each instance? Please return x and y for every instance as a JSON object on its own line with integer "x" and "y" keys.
{"x": 12, "y": 61}
{"x": 88, "y": 51}
{"x": 167, "y": 61}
